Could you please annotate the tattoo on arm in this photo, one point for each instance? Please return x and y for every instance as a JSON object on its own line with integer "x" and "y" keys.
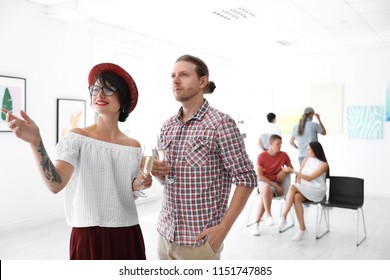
{"x": 47, "y": 166}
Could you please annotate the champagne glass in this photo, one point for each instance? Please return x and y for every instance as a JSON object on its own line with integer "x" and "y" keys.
{"x": 159, "y": 154}
{"x": 146, "y": 167}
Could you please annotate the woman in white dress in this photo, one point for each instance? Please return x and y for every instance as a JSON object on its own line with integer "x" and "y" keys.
{"x": 310, "y": 185}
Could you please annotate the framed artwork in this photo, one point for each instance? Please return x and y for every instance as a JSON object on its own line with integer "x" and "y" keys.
{"x": 70, "y": 114}
{"x": 328, "y": 101}
{"x": 387, "y": 118}
{"x": 365, "y": 122}
{"x": 12, "y": 98}
{"x": 286, "y": 120}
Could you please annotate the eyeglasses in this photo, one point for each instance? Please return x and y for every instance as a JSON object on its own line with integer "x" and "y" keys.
{"x": 108, "y": 91}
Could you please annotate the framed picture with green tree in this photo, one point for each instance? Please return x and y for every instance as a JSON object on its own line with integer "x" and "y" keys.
{"x": 12, "y": 98}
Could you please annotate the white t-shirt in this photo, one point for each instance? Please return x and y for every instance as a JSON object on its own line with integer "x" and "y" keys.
{"x": 270, "y": 129}
{"x": 99, "y": 192}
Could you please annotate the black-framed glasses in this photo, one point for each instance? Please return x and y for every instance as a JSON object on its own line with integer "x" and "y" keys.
{"x": 108, "y": 91}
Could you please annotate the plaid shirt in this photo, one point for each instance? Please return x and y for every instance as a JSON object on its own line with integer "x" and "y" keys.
{"x": 204, "y": 155}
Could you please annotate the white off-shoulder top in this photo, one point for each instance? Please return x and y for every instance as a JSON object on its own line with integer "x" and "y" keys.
{"x": 99, "y": 192}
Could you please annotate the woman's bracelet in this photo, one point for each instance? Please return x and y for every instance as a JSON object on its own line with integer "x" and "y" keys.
{"x": 132, "y": 183}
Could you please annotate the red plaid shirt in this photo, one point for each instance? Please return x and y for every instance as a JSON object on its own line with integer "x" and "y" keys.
{"x": 204, "y": 155}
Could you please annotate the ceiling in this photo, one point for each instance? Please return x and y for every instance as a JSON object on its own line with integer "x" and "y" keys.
{"x": 234, "y": 28}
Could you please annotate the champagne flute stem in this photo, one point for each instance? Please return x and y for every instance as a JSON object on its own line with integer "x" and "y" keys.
{"x": 141, "y": 189}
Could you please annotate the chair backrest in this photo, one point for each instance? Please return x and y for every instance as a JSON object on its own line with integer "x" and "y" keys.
{"x": 286, "y": 184}
{"x": 346, "y": 191}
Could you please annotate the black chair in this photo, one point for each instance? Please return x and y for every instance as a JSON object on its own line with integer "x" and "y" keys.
{"x": 320, "y": 213}
{"x": 346, "y": 193}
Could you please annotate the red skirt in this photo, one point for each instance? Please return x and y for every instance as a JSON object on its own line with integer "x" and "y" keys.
{"x": 100, "y": 243}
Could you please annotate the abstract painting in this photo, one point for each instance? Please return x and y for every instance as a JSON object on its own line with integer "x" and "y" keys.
{"x": 286, "y": 120}
{"x": 387, "y": 118}
{"x": 70, "y": 114}
{"x": 365, "y": 122}
{"x": 12, "y": 98}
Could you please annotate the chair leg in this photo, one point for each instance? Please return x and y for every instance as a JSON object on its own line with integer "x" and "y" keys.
{"x": 358, "y": 242}
{"x": 248, "y": 224}
{"x": 324, "y": 212}
{"x": 291, "y": 216}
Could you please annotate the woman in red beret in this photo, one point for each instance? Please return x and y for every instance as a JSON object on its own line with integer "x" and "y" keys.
{"x": 99, "y": 168}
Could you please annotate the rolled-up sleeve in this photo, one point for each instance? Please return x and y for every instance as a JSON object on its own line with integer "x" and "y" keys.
{"x": 234, "y": 156}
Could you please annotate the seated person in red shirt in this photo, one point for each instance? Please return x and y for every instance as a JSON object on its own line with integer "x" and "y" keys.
{"x": 270, "y": 175}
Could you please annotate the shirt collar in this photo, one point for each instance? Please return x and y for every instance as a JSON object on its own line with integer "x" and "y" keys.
{"x": 198, "y": 115}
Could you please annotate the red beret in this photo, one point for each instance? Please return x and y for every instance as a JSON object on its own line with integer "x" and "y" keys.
{"x": 113, "y": 68}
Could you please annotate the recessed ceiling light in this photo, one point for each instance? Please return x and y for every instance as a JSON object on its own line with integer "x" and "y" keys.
{"x": 284, "y": 42}
{"x": 235, "y": 13}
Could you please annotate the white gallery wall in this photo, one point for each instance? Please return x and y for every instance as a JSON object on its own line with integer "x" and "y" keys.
{"x": 55, "y": 58}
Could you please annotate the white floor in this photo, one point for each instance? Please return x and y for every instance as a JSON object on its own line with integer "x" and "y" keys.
{"x": 50, "y": 241}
